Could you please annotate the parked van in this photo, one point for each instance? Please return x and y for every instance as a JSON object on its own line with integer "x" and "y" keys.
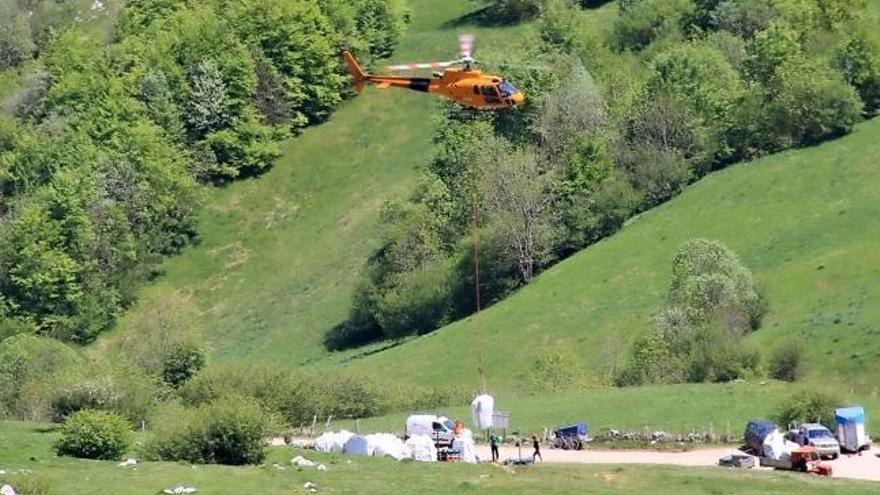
{"x": 437, "y": 426}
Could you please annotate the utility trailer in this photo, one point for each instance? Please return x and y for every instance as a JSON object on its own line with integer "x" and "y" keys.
{"x": 851, "y": 429}
{"x": 804, "y": 459}
{"x": 571, "y": 437}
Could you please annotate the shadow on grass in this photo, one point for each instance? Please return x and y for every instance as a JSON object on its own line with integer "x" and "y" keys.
{"x": 376, "y": 350}
{"x": 483, "y": 18}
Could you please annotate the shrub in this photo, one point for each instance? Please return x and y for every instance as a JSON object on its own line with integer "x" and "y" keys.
{"x": 230, "y": 430}
{"x": 808, "y": 407}
{"x": 96, "y": 394}
{"x": 25, "y": 362}
{"x": 296, "y": 397}
{"x": 553, "y": 371}
{"x": 115, "y": 387}
{"x": 94, "y": 435}
{"x": 786, "y": 362}
{"x": 182, "y": 363}
{"x": 720, "y": 355}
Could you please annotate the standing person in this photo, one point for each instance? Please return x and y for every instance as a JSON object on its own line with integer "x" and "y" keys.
{"x": 537, "y": 445}
{"x": 493, "y": 443}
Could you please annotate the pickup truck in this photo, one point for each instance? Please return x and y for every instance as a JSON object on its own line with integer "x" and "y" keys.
{"x": 819, "y": 437}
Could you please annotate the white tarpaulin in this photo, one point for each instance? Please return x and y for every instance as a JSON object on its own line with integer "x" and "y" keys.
{"x": 465, "y": 446}
{"x": 422, "y": 448}
{"x": 482, "y": 409}
{"x": 332, "y": 443}
{"x": 386, "y": 444}
{"x": 774, "y": 445}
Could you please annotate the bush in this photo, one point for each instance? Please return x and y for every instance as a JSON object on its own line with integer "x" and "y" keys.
{"x": 182, "y": 363}
{"x": 786, "y": 362}
{"x": 117, "y": 388}
{"x": 296, "y": 397}
{"x": 554, "y": 371}
{"x": 94, "y": 435}
{"x": 808, "y": 407}
{"x": 230, "y": 430}
{"x": 25, "y": 363}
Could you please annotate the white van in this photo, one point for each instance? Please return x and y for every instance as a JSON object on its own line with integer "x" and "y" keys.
{"x": 438, "y": 427}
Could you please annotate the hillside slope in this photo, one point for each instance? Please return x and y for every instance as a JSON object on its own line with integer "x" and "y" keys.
{"x": 807, "y": 222}
{"x": 278, "y": 255}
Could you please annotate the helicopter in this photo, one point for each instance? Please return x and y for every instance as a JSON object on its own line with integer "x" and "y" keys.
{"x": 464, "y": 85}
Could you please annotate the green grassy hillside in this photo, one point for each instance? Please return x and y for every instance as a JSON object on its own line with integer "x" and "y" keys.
{"x": 279, "y": 254}
{"x": 807, "y": 222}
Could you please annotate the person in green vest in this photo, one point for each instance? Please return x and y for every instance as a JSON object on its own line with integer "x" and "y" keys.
{"x": 493, "y": 443}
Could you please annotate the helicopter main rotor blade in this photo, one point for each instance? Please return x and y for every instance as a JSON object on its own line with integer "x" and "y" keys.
{"x": 428, "y": 65}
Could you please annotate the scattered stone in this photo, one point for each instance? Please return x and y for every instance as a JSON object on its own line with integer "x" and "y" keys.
{"x": 301, "y": 461}
{"x": 179, "y": 489}
{"x": 128, "y": 462}
{"x": 310, "y": 487}
{"x": 322, "y": 467}
{"x": 278, "y": 467}
{"x": 7, "y": 490}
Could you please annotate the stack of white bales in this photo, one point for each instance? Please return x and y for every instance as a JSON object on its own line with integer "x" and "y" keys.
{"x": 332, "y": 443}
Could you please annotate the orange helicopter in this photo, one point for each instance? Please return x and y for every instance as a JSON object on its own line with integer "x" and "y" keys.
{"x": 464, "y": 85}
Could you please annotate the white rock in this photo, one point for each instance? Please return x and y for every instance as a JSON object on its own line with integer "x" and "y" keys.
{"x": 179, "y": 490}
{"x": 7, "y": 489}
{"x": 302, "y": 462}
{"x": 322, "y": 467}
{"x": 128, "y": 462}
{"x": 310, "y": 487}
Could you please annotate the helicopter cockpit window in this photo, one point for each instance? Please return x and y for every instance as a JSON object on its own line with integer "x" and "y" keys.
{"x": 507, "y": 89}
{"x": 476, "y": 90}
{"x": 490, "y": 94}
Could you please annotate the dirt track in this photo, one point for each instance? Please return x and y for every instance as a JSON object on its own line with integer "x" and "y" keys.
{"x": 864, "y": 467}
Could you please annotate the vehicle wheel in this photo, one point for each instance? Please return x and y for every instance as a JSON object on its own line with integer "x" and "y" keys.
{"x": 834, "y": 456}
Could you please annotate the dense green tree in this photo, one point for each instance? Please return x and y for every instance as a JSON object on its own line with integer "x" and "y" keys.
{"x": 858, "y": 59}
{"x": 16, "y": 43}
{"x": 641, "y": 22}
{"x": 811, "y": 103}
{"x": 301, "y": 44}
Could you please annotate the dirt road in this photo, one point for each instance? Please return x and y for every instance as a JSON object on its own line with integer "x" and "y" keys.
{"x": 864, "y": 467}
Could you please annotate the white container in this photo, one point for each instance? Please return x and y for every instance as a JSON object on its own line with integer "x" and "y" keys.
{"x": 851, "y": 429}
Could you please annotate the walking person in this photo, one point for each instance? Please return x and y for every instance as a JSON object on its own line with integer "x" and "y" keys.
{"x": 537, "y": 445}
{"x": 493, "y": 443}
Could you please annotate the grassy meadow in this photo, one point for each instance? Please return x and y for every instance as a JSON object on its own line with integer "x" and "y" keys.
{"x": 805, "y": 221}
{"x": 27, "y": 446}
{"x": 719, "y": 408}
{"x": 278, "y": 255}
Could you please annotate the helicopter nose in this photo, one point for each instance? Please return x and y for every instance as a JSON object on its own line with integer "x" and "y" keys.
{"x": 518, "y": 99}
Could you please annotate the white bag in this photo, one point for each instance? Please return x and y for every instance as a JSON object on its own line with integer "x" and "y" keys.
{"x": 482, "y": 410}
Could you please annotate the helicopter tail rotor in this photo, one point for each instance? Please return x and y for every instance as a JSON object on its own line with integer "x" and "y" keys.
{"x": 360, "y": 77}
